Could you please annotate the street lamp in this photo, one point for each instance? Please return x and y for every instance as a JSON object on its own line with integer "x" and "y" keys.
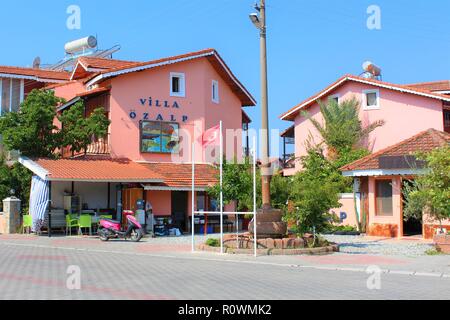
{"x": 259, "y": 20}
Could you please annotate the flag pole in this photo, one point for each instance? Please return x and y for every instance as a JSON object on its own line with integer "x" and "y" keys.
{"x": 255, "y": 245}
{"x": 193, "y": 197}
{"x": 221, "y": 187}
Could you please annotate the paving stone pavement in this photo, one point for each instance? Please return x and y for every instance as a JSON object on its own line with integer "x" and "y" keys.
{"x": 36, "y": 268}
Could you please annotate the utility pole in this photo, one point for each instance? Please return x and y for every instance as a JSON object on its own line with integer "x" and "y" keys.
{"x": 270, "y": 223}
{"x": 260, "y": 22}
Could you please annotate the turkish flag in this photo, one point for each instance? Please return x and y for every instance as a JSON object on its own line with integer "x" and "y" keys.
{"x": 211, "y": 137}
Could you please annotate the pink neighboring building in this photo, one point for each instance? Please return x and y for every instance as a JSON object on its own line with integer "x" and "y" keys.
{"x": 406, "y": 109}
{"x": 157, "y": 109}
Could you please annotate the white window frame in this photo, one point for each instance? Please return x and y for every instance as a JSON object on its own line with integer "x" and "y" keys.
{"x": 334, "y": 96}
{"x": 22, "y": 92}
{"x": 182, "y": 80}
{"x": 364, "y": 99}
{"x": 215, "y": 93}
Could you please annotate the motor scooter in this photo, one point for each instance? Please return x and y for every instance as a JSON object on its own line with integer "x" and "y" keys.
{"x": 111, "y": 229}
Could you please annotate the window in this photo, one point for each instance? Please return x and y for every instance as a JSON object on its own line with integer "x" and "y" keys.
{"x": 383, "y": 195}
{"x": 201, "y": 201}
{"x": 11, "y": 94}
{"x": 215, "y": 91}
{"x": 371, "y": 99}
{"x": 159, "y": 137}
{"x": 177, "y": 85}
{"x": 335, "y": 98}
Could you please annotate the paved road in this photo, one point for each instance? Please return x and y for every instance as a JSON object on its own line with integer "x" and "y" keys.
{"x": 32, "y": 268}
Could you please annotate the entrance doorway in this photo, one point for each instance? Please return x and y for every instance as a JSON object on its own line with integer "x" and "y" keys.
{"x": 413, "y": 223}
{"x": 179, "y": 210}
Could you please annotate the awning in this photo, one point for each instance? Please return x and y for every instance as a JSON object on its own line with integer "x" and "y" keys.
{"x": 39, "y": 198}
{"x": 83, "y": 95}
{"x": 91, "y": 170}
{"x": 178, "y": 177}
{"x": 152, "y": 176}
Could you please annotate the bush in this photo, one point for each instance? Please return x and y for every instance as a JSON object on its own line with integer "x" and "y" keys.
{"x": 213, "y": 242}
{"x": 333, "y": 228}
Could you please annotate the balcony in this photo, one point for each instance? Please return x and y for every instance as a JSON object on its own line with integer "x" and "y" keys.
{"x": 97, "y": 147}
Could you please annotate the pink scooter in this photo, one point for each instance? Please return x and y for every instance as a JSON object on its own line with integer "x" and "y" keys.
{"x": 111, "y": 229}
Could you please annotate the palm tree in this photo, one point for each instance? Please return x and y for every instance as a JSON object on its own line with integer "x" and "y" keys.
{"x": 342, "y": 130}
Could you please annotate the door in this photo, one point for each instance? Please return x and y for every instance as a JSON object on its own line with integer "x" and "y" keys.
{"x": 179, "y": 209}
{"x": 412, "y": 223}
{"x": 130, "y": 196}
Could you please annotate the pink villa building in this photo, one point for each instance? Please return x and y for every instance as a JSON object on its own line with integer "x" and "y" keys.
{"x": 156, "y": 108}
{"x": 408, "y": 110}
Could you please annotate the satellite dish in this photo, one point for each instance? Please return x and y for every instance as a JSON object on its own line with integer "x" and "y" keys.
{"x": 37, "y": 63}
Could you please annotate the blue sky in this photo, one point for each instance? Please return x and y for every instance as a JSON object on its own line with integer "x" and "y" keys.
{"x": 311, "y": 43}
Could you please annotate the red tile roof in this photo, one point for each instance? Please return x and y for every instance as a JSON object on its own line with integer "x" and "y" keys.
{"x": 88, "y": 169}
{"x": 292, "y": 113}
{"x": 105, "y": 169}
{"x": 423, "y": 142}
{"x": 213, "y": 57}
{"x": 93, "y": 92}
{"x": 38, "y": 74}
{"x": 103, "y": 63}
{"x": 180, "y": 175}
{"x": 443, "y": 85}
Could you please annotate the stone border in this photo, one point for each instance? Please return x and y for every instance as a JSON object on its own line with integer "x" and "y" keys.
{"x": 274, "y": 252}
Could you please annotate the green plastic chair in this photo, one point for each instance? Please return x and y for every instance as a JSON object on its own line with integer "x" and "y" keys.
{"x": 85, "y": 222}
{"x": 106, "y": 217}
{"x": 71, "y": 222}
{"x": 27, "y": 223}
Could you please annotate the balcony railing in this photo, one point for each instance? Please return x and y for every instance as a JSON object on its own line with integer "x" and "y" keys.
{"x": 97, "y": 147}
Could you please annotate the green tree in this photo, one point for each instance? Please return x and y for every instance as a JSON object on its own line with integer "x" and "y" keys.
{"x": 78, "y": 131}
{"x": 237, "y": 184}
{"x": 314, "y": 192}
{"x": 33, "y": 133}
{"x": 430, "y": 192}
{"x": 31, "y": 130}
{"x": 15, "y": 180}
{"x": 342, "y": 131}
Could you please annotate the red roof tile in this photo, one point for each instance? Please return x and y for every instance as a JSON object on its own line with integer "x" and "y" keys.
{"x": 443, "y": 85}
{"x": 293, "y": 112}
{"x": 108, "y": 170}
{"x": 423, "y": 142}
{"x": 93, "y": 92}
{"x": 39, "y": 74}
{"x": 180, "y": 175}
{"x": 105, "y": 169}
{"x": 103, "y": 63}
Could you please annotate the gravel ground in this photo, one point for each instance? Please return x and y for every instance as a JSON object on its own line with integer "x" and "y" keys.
{"x": 348, "y": 244}
{"x": 362, "y": 245}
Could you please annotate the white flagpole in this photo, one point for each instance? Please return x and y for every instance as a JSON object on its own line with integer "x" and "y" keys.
{"x": 221, "y": 187}
{"x": 193, "y": 197}
{"x": 254, "y": 197}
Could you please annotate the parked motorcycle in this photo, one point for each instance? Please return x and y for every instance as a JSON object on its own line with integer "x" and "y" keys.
{"x": 111, "y": 229}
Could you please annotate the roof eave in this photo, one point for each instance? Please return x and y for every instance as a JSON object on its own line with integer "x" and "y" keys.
{"x": 383, "y": 172}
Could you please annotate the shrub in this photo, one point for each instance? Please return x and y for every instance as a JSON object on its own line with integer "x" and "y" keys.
{"x": 213, "y": 242}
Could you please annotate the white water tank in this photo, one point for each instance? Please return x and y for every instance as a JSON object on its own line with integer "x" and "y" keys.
{"x": 81, "y": 45}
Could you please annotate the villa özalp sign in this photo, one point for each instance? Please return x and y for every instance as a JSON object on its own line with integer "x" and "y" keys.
{"x": 156, "y": 104}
